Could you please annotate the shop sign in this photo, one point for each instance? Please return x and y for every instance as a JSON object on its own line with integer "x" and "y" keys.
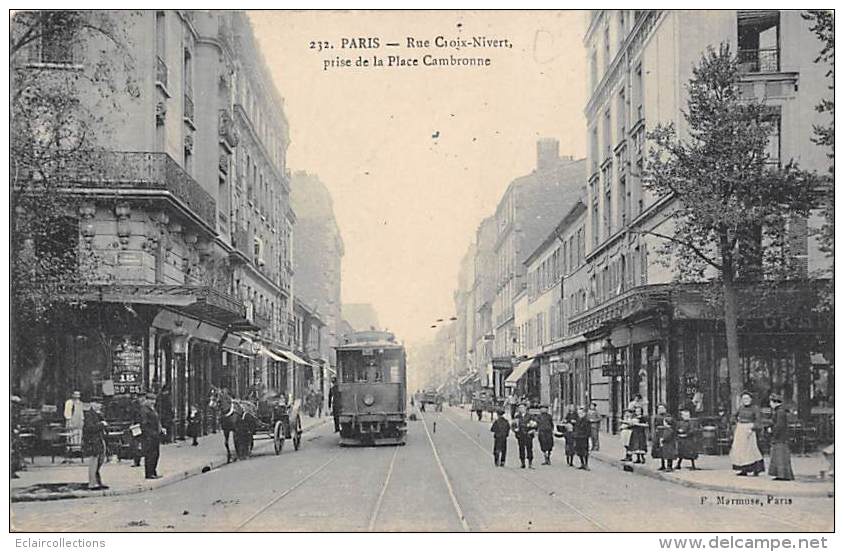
{"x": 127, "y": 364}
{"x": 612, "y": 370}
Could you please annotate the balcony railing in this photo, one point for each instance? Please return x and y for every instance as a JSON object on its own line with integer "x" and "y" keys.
{"x": 160, "y": 71}
{"x": 759, "y": 61}
{"x": 143, "y": 171}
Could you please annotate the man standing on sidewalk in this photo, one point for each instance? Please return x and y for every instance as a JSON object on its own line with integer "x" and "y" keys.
{"x": 594, "y": 418}
{"x": 93, "y": 445}
{"x": 334, "y": 403}
{"x": 151, "y": 434}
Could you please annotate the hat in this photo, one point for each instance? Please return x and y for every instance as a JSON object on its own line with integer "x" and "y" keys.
{"x": 150, "y": 396}
{"x": 748, "y": 393}
{"x": 775, "y": 397}
{"x": 500, "y": 411}
{"x": 76, "y": 394}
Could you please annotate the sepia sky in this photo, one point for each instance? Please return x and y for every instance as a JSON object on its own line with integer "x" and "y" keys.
{"x": 407, "y": 203}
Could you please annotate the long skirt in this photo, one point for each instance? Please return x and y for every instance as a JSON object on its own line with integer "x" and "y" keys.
{"x": 546, "y": 441}
{"x": 638, "y": 441}
{"x": 581, "y": 446}
{"x": 744, "y": 454}
{"x": 687, "y": 448}
{"x": 780, "y": 462}
{"x": 570, "y": 449}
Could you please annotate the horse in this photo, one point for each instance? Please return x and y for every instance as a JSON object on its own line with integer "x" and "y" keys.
{"x": 236, "y": 416}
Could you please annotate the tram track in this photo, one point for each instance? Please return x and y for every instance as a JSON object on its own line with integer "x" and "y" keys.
{"x": 454, "y": 502}
{"x": 285, "y": 493}
{"x": 373, "y": 518}
{"x": 553, "y": 497}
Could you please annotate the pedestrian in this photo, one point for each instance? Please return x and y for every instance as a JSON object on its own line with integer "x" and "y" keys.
{"x": 194, "y": 424}
{"x": 744, "y": 454}
{"x": 636, "y": 402}
{"x": 780, "y": 468}
{"x": 626, "y": 431}
{"x": 320, "y": 400}
{"x": 94, "y": 445}
{"x": 595, "y": 424}
{"x": 658, "y": 425}
{"x": 545, "y": 432}
{"x": 334, "y": 403}
{"x": 688, "y": 442}
{"x": 500, "y": 431}
{"x": 667, "y": 445}
{"x": 151, "y": 432}
{"x": 74, "y": 420}
{"x": 568, "y": 432}
{"x": 524, "y": 426}
{"x": 638, "y": 435}
{"x": 582, "y": 432}
{"x": 164, "y": 407}
{"x": 512, "y": 401}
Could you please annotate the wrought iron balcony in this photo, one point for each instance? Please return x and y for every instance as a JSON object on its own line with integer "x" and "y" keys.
{"x": 632, "y": 301}
{"x": 160, "y": 71}
{"x": 759, "y": 61}
{"x": 142, "y": 172}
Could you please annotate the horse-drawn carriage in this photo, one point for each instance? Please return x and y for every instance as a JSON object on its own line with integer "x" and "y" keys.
{"x": 271, "y": 415}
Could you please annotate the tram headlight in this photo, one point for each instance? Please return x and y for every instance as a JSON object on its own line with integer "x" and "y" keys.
{"x": 369, "y": 399}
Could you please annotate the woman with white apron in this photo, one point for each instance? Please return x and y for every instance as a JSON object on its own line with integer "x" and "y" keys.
{"x": 744, "y": 454}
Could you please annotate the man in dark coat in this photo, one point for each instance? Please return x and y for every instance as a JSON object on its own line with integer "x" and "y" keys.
{"x": 151, "y": 431}
{"x": 500, "y": 431}
{"x": 582, "y": 433}
{"x": 164, "y": 407}
{"x": 334, "y": 403}
{"x": 524, "y": 426}
{"x": 545, "y": 432}
{"x": 93, "y": 444}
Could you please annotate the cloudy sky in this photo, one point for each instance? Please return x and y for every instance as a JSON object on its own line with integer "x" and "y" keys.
{"x": 416, "y": 157}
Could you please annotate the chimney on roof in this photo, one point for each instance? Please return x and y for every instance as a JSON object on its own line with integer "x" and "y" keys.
{"x": 547, "y": 153}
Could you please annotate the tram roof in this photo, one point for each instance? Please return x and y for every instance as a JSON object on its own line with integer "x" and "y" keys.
{"x": 369, "y": 345}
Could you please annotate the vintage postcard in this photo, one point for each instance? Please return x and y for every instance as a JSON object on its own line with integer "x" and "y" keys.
{"x": 422, "y": 271}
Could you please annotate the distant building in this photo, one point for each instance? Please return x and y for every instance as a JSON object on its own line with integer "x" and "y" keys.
{"x": 528, "y": 210}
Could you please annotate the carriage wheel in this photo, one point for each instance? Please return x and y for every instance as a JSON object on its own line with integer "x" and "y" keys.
{"x": 297, "y": 435}
{"x": 278, "y": 436}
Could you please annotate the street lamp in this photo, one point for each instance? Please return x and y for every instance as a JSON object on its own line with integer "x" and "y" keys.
{"x": 180, "y": 349}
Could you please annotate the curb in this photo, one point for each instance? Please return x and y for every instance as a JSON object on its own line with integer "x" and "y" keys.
{"x": 649, "y": 472}
{"x": 212, "y": 464}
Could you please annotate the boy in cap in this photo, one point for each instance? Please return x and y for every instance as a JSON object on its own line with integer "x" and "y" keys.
{"x": 500, "y": 431}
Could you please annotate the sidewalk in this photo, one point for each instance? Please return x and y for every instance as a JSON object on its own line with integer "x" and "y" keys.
{"x": 716, "y": 473}
{"x": 44, "y": 480}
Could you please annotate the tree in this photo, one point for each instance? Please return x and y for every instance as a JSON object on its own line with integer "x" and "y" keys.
{"x": 823, "y": 25}
{"x": 67, "y": 69}
{"x": 729, "y": 198}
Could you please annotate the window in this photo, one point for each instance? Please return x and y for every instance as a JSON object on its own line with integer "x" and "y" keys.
{"x": 607, "y": 179}
{"x": 595, "y": 221}
{"x": 160, "y": 48}
{"x": 621, "y": 115}
{"x": 758, "y": 41}
{"x": 643, "y": 265}
{"x": 607, "y": 135}
{"x": 773, "y": 152}
{"x": 188, "y": 86}
{"x": 638, "y": 93}
{"x": 607, "y": 58}
{"x": 593, "y": 69}
{"x": 57, "y": 37}
{"x": 624, "y": 199}
{"x": 622, "y": 27}
{"x": 593, "y": 150}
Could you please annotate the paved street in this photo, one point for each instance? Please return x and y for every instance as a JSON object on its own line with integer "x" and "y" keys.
{"x": 442, "y": 480}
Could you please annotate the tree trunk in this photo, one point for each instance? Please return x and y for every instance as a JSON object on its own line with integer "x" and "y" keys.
{"x": 731, "y": 326}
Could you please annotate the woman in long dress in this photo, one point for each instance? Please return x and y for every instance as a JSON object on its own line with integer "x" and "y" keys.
{"x": 638, "y": 436}
{"x": 780, "y": 468}
{"x": 626, "y": 432}
{"x": 744, "y": 454}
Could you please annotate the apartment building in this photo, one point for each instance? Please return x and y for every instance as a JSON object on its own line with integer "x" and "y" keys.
{"x": 644, "y": 335}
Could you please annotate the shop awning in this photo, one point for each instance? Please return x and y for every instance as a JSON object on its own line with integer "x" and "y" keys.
{"x": 293, "y": 357}
{"x": 468, "y": 378}
{"x": 518, "y": 372}
{"x": 271, "y": 355}
{"x": 201, "y": 302}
